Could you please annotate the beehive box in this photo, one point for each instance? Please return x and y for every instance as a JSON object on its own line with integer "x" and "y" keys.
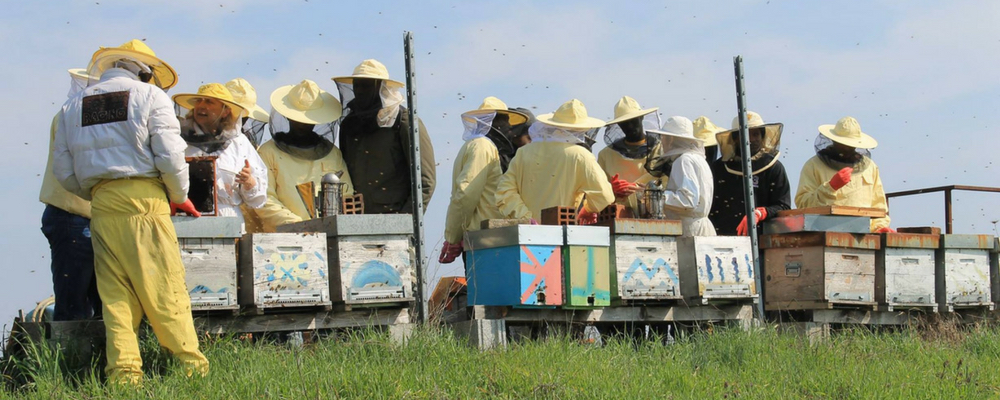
{"x": 962, "y": 272}
{"x": 279, "y": 270}
{"x": 587, "y": 263}
{"x": 904, "y": 271}
{"x": 715, "y": 268}
{"x": 518, "y": 266}
{"x": 371, "y": 256}
{"x": 819, "y": 270}
{"x": 208, "y": 251}
{"x": 644, "y": 253}
{"x": 817, "y": 223}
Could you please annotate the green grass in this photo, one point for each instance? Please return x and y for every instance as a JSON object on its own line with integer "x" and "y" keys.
{"x": 726, "y": 363}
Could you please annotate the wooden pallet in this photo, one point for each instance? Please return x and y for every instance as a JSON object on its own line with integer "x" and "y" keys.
{"x": 836, "y": 210}
{"x": 254, "y": 309}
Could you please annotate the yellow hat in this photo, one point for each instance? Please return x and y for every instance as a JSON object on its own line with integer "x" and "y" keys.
{"x": 165, "y": 76}
{"x": 492, "y": 104}
{"x": 848, "y": 132}
{"x": 705, "y": 130}
{"x": 627, "y": 108}
{"x": 211, "y": 91}
{"x": 244, "y": 94}
{"x": 369, "y": 69}
{"x": 572, "y": 114}
{"x": 306, "y": 103}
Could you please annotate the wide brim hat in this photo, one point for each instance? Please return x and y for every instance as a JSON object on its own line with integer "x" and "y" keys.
{"x": 754, "y": 120}
{"x": 848, "y": 132}
{"x": 306, "y": 103}
{"x": 137, "y": 50}
{"x": 369, "y": 69}
{"x": 627, "y": 108}
{"x": 81, "y": 73}
{"x": 572, "y": 114}
{"x": 245, "y": 94}
{"x": 494, "y": 105}
{"x": 678, "y": 127}
{"x": 213, "y": 91}
{"x": 706, "y": 130}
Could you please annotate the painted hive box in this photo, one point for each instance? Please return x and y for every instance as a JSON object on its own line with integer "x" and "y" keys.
{"x": 517, "y": 266}
{"x": 714, "y": 268}
{"x": 645, "y": 260}
{"x": 587, "y": 262}
{"x": 208, "y": 251}
{"x": 283, "y": 270}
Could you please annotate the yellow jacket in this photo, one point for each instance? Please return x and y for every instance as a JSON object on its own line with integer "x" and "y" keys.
{"x": 864, "y": 189}
{"x": 473, "y": 193}
{"x": 632, "y": 170}
{"x": 52, "y": 192}
{"x": 550, "y": 174}
{"x": 284, "y": 172}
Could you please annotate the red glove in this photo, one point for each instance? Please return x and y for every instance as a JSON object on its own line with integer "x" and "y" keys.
{"x": 885, "y": 230}
{"x": 842, "y": 178}
{"x": 760, "y": 213}
{"x": 586, "y": 218}
{"x": 449, "y": 252}
{"x": 621, "y": 187}
{"x": 187, "y": 207}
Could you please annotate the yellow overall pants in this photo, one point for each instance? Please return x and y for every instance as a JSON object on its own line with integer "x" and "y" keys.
{"x": 138, "y": 267}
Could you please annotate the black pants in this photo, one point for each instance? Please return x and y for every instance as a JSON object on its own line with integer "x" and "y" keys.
{"x": 73, "y": 281}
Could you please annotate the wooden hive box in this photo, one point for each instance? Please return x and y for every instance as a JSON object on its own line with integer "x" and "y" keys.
{"x": 208, "y": 251}
{"x": 279, "y": 270}
{"x": 716, "y": 268}
{"x": 819, "y": 270}
{"x": 518, "y": 266}
{"x": 645, "y": 260}
{"x": 587, "y": 266}
{"x": 904, "y": 271}
{"x": 962, "y": 272}
{"x": 371, "y": 257}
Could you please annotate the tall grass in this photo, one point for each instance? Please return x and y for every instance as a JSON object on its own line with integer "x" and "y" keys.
{"x": 726, "y": 363}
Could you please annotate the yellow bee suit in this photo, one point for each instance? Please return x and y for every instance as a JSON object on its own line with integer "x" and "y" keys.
{"x": 284, "y": 173}
{"x": 52, "y": 192}
{"x": 632, "y": 170}
{"x": 473, "y": 192}
{"x": 550, "y": 174}
{"x": 139, "y": 271}
{"x": 864, "y": 189}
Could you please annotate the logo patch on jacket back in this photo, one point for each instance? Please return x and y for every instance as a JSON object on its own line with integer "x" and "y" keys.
{"x": 105, "y": 108}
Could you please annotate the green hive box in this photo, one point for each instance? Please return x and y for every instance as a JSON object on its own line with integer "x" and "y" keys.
{"x": 587, "y": 266}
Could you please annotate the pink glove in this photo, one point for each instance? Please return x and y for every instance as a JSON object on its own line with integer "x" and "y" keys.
{"x": 586, "y": 218}
{"x": 760, "y": 213}
{"x": 842, "y": 178}
{"x": 621, "y": 187}
{"x": 885, "y": 230}
{"x": 449, "y": 252}
{"x": 187, "y": 207}
{"x": 533, "y": 222}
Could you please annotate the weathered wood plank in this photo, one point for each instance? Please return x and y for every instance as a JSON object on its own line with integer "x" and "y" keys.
{"x": 618, "y": 314}
{"x": 836, "y": 210}
{"x": 302, "y": 321}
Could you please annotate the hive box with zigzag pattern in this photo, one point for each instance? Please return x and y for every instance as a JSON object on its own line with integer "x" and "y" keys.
{"x": 644, "y": 257}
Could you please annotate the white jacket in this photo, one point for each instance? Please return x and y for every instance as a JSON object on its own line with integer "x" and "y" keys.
{"x": 688, "y": 195}
{"x": 229, "y": 163}
{"x": 119, "y": 128}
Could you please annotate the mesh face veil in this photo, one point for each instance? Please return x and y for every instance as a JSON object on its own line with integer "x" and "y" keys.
{"x": 540, "y": 132}
{"x": 391, "y": 101}
{"x": 254, "y": 131}
{"x": 309, "y": 148}
{"x": 477, "y": 125}
{"x": 614, "y": 133}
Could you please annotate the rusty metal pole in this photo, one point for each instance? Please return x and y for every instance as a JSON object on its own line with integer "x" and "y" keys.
{"x": 947, "y": 211}
{"x": 748, "y": 196}
{"x": 417, "y": 193}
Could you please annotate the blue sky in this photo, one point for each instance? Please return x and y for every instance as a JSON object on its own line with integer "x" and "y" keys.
{"x": 920, "y": 76}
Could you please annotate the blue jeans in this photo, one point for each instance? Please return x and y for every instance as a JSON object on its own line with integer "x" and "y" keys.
{"x": 73, "y": 280}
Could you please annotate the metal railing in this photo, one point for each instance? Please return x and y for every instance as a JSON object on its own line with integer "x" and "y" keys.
{"x": 947, "y": 197}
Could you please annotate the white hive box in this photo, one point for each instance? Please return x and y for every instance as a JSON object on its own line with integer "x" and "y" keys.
{"x": 280, "y": 270}
{"x": 904, "y": 271}
{"x": 208, "y": 251}
{"x": 963, "y": 272}
{"x": 714, "y": 268}
{"x": 646, "y": 261}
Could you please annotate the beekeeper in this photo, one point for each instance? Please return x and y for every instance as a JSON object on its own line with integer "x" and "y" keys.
{"x": 254, "y": 125}
{"x": 300, "y": 152}
{"x": 771, "y": 190}
{"x": 118, "y": 144}
{"x": 519, "y": 136}
{"x": 555, "y": 169}
{"x": 375, "y": 138}
{"x": 628, "y": 148}
{"x": 211, "y": 128}
{"x": 705, "y": 130}
{"x": 477, "y": 171}
{"x": 66, "y": 225}
{"x": 688, "y": 195}
{"x": 842, "y": 172}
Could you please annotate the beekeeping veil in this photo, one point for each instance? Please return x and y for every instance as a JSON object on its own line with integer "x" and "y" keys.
{"x": 764, "y": 157}
{"x": 848, "y": 133}
{"x": 677, "y": 138}
{"x": 384, "y": 108}
{"x": 133, "y": 56}
{"x": 227, "y": 123}
{"x": 78, "y": 80}
{"x": 627, "y": 109}
{"x": 568, "y": 124}
{"x": 305, "y": 104}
